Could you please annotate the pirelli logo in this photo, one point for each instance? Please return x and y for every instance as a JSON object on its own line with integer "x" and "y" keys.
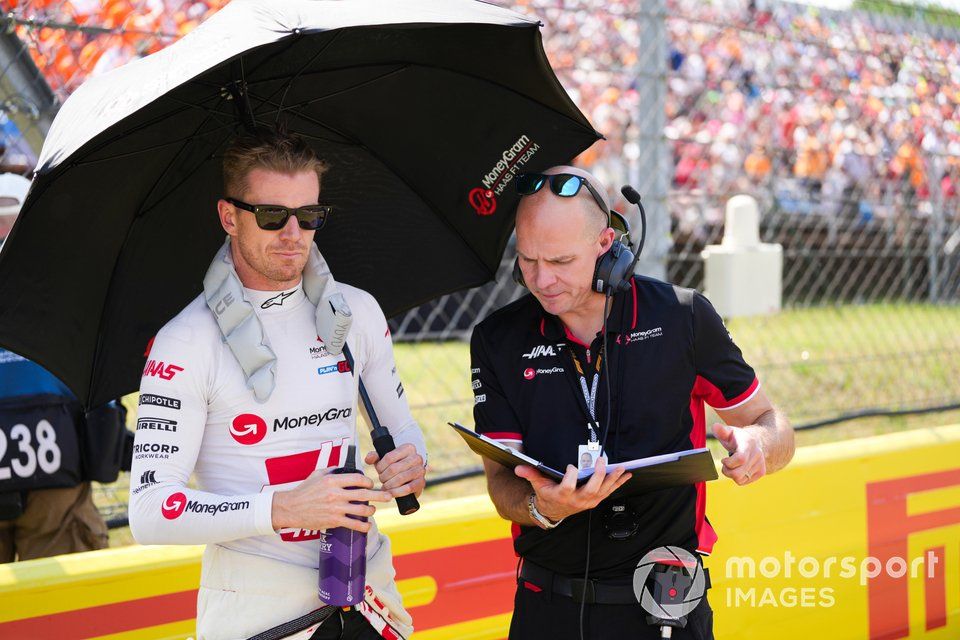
{"x": 899, "y": 510}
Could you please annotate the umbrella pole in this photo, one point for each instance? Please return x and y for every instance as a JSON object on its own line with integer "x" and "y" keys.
{"x": 382, "y": 440}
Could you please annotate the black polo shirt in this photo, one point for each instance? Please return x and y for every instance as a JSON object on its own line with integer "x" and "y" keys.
{"x": 669, "y": 352}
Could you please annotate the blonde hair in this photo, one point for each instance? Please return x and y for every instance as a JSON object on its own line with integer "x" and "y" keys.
{"x": 271, "y": 149}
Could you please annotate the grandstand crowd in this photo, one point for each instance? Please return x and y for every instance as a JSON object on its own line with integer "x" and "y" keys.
{"x": 831, "y": 113}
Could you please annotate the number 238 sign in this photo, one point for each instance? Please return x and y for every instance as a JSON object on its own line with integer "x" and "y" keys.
{"x": 38, "y": 448}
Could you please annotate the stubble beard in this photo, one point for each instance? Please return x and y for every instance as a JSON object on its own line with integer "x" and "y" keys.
{"x": 275, "y": 271}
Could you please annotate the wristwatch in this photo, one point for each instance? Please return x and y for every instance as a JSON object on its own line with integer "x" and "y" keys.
{"x": 544, "y": 522}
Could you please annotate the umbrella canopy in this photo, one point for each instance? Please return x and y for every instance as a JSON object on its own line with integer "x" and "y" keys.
{"x": 424, "y": 110}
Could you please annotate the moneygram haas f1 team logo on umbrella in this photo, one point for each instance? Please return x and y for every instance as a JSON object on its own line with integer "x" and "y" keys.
{"x": 509, "y": 164}
{"x": 248, "y": 428}
{"x": 483, "y": 201}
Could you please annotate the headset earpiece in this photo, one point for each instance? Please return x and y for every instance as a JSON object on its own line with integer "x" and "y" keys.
{"x": 613, "y": 270}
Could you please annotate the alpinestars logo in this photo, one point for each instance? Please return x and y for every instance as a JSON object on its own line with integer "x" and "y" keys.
{"x": 174, "y": 506}
{"x": 277, "y": 300}
{"x": 539, "y": 351}
{"x": 248, "y": 428}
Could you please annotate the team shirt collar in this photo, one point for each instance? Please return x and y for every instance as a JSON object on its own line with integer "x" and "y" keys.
{"x": 623, "y": 316}
{"x": 271, "y": 302}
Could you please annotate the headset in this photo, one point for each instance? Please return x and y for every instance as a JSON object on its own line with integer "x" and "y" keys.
{"x": 612, "y": 275}
{"x": 614, "y": 268}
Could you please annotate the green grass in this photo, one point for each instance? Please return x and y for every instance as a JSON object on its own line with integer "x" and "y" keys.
{"x": 814, "y": 363}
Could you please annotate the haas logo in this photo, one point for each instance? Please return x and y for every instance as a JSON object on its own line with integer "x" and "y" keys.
{"x": 539, "y": 351}
{"x": 174, "y": 505}
{"x": 248, "y": 428}
{"x": 158, "y": 369}
{"x": 482, "y": 201}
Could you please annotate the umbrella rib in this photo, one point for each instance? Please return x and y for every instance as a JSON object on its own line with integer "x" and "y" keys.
{"x": 127, "y": 154}
{"x": 281, "y": 108}
{"x": 423, "y": 199}
{"x": 408, "y": 64}
{"x": 116, "y": 264}
{"x": 291, "y": 80}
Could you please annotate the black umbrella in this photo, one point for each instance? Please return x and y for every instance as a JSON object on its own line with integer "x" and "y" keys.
{"x": 425, "y": 111}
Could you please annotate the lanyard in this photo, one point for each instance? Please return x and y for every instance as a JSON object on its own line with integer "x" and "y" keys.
{"x": 589, "y": 392}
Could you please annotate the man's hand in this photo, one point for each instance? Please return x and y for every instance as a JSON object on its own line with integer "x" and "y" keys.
{"x": 746, "y": 462}
{"x": 557, "y": 501}
{"x": 323, "y": 501}
{"x": 401, "y": 471}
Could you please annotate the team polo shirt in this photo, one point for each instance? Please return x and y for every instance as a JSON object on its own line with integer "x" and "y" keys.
{"x": 669, "y": 353}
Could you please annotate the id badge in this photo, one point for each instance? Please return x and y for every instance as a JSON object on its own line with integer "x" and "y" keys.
{"x": 588, "y": 454}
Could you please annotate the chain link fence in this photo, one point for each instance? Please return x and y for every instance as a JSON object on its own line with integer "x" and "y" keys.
{"x": 842, "y": 124}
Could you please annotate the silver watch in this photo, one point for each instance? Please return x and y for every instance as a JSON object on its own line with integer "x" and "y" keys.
{"x": 539, "y": 517}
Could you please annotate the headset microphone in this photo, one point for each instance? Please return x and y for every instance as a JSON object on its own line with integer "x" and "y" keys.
{"x": 634, "y": 198}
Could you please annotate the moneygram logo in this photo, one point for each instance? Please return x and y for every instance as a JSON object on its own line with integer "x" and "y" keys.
{"x": 530, "y": 373}
{"x": 510, "y": 163}
{"x": 172, "y": 508}
{"x": 248, "y": 428}
{"x": 312, "y": 420}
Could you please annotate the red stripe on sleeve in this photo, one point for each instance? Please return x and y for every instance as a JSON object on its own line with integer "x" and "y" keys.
{"x": 712, "y": 395}
{"x": 504, "y": 435}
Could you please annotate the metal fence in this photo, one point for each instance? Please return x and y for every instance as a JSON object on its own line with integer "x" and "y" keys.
{"x": 844, "y": 126}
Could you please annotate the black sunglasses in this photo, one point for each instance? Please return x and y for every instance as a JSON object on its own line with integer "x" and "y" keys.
{"x": 271, "y": 217}
{"x": 565, "y": 185}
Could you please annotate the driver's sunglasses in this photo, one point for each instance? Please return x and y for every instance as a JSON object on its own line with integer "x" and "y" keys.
{"x": 565, "y": 185}
{"x": 271, "y": 217}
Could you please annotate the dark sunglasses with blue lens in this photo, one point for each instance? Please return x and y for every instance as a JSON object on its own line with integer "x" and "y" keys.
{"x": 565, "y": 185}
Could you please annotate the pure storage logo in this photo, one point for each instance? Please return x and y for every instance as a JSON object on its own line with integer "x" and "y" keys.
{"x": 176, "y": 504}
{"x": 248, "y": 428}
{"x": 890, "y": 523}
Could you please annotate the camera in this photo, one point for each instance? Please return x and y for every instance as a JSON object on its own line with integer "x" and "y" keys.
{"x": 620, "y": 521}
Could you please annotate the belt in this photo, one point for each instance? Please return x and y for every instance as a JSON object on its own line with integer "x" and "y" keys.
{"x": 589, "y": 591}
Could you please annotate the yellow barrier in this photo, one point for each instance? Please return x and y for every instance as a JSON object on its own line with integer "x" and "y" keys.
{"x": 859, "y": 539}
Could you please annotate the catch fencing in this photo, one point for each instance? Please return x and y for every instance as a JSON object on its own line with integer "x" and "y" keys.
{"x": 845, "y": 126}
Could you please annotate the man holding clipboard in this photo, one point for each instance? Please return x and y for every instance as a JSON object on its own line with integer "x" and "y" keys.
{"x": 550, "y": 383}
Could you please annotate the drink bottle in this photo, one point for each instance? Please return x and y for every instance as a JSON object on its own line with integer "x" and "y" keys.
{"x": 343, "y": 555}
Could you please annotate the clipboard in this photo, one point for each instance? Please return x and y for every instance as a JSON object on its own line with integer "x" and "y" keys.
{"x": 648, "y": 474}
